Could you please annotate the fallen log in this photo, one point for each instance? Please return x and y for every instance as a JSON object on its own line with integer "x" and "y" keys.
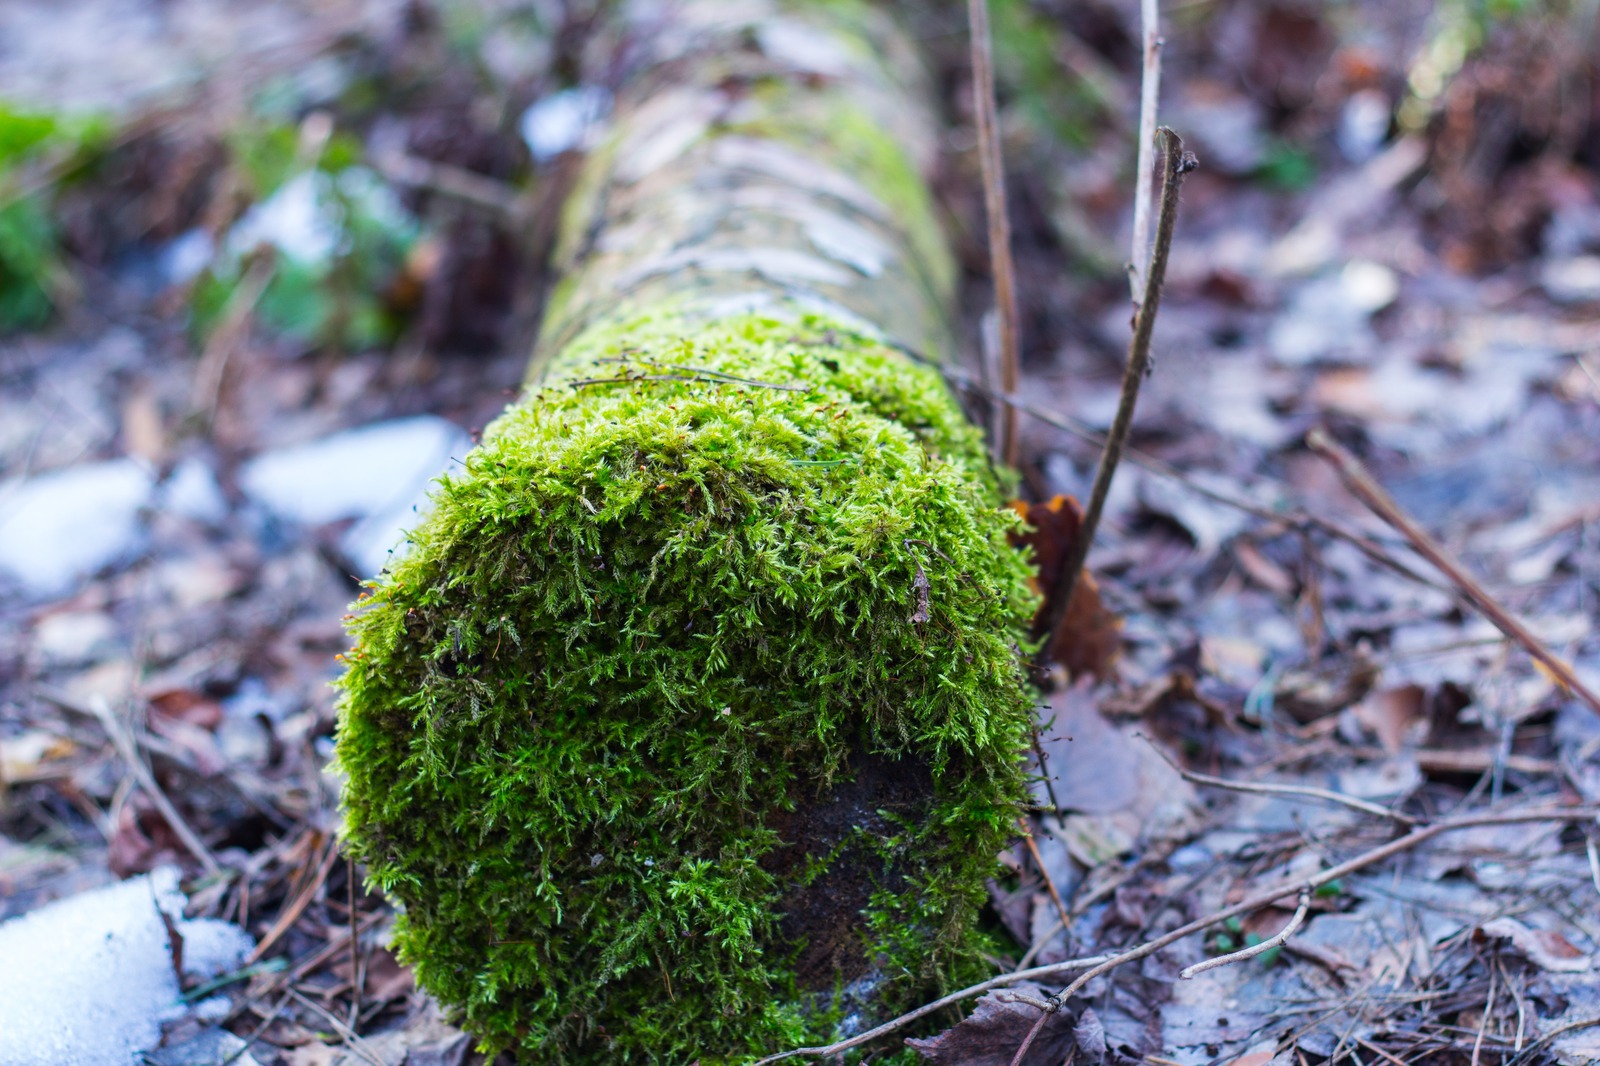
{"x": 691, "y": 722}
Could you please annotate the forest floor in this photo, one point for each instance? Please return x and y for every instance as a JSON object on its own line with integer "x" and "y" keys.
{"x": 256, "y": 307}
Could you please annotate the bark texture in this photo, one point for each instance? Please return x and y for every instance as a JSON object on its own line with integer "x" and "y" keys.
{"x": 691, "y": 722}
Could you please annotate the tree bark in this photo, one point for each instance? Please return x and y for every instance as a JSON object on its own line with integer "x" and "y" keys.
{"x": 691, "y": 722}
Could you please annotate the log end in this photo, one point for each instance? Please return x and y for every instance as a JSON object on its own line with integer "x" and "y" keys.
{"x": 693, "y": 718}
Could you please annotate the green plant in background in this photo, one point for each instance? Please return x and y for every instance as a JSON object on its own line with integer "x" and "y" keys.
{"x": 718, "y": 626}
{"x": 1028, "y": 57}
{"x": 337, "y": 234}
{"x": 35, "y": 147}
{"x": 1286, "y": 167}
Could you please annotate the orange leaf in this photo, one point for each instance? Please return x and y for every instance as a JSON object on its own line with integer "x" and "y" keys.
{"x": 1090, "y": 637}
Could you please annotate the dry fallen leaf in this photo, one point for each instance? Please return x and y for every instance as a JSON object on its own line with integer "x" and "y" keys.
{"x": 992, "y": 1033}
{"x": 1090, "y": 637}
{"x": 1545, "y": 948}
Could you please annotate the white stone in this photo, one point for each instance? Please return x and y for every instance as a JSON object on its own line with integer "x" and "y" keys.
{"x": 59, "y": 528}
{"x": 88, "y": 980}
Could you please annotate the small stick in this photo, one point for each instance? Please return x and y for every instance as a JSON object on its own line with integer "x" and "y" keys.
{"x": 1483, "y": 1026}
{"x": 1283, "y": 790}
{"x": 351, "y": 1039}
{"x": 1027, "y": 1041}
{"x": 1038, "y": 860}
{"x": 1149, "y": 100}
{"x": 1276, "y": 940}
{"x": 301, "y": 901}
{"x": 122, "y": 738}
{"x": 994, "y": 205}
{"x": 1177, "y": 163}
{"x": 357, "y": 977}
{"x": 1366, "y": 488}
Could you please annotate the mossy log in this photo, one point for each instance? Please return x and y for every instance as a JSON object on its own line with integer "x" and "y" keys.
{"x": 691, "y": 722}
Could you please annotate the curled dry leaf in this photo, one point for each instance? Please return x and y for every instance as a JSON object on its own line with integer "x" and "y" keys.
{"x": 1544, "y": 948}
{"x": 992, "y": 1033}
{"x": 1090, "y": 636}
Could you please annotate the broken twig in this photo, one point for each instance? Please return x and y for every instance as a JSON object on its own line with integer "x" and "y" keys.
{"x": 1283, "y": 790}
{"x": 1365, "y": 487}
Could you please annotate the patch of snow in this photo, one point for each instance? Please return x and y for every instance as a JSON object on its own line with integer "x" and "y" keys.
{"x": 58, "y": 528}
{"x": 1328, "y": 316}
{"x": 191, "y": 491}
{"x": 379, "y": 474}
{"x": 1573, "y": 280}
{"x": 564, "y": 121}
{"x": 297, "y": 220}
{"x": 89, "y": 980}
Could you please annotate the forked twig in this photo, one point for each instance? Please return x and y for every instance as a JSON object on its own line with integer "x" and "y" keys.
{"x": 1276, "y": 940}
{"x": 1365, "y": 487}
{"x": 1176, "y": 163}
{"x": 928, "y": 1008}
{"x": 1419, "y": 835}
{"x": 1001, "y": 264}
{"x": 1095, "y": 966}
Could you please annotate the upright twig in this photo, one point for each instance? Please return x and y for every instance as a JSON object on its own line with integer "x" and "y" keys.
{"x": 994, "y": 203}
{"x": 1365, "y": 487}
{"x": 1176, "y": 163}
{"x": 1149, "y": 100}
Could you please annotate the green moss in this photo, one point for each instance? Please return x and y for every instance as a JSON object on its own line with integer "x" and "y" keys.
{"x": 693, "y": 719}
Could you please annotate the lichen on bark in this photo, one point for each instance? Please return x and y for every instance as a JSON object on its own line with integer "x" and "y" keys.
{"x": 691, "y": 722}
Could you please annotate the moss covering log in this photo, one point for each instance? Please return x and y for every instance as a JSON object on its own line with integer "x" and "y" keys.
{"x": 691, "y": 722}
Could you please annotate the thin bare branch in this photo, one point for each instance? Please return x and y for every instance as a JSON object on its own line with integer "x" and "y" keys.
{"x": 1275, "y": 941}
{"x": 1095, "y": 966}
{"x": 994, "y": 202}
{"x": 1366, "y": 488}
{"x": 1268, "y": 789}
{"x": 926, "y": 1009}
{"x": 1038, "y": 860}
{"x": 1420, "y": 835}
{"x": 1149, "y": 101}
{"x": 1176, "y": 163}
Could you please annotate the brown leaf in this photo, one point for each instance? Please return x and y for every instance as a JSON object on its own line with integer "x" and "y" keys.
{"x": 1090, "y": 637}
{"x": 1255, "y": 1058}
{"x": 1389, "y": 713}
{"x": 1545, "y": 948}
{"x": 992, "y": 1033}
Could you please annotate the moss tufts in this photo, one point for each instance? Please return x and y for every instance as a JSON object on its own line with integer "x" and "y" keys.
{"x": 693, "y": 719}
